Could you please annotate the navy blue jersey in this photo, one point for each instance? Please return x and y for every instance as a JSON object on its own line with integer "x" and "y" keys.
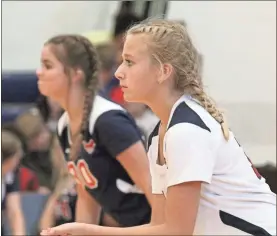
{"x": 111, "y": 131}
{"x": 10, "y": 183}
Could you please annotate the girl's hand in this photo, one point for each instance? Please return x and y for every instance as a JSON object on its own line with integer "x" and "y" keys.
{"x": 65, "y": 230}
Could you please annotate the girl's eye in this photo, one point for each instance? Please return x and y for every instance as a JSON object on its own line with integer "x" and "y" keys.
{"x": 128, "y": 62}
{"x": 46, "y": 65}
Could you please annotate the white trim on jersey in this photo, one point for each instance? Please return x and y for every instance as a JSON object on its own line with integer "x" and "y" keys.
{"x": 62, "y": 123}
{"x": 100, "y": 106}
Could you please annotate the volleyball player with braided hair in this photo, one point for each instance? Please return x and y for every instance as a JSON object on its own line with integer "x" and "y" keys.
{"x": 101, "y": 142}
{"x": 202, "y": 181}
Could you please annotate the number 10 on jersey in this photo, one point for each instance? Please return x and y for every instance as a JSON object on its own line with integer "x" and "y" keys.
{"x": 82, "y": 174}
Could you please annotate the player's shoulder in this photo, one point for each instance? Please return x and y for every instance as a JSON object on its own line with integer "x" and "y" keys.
{"x": 102, "y": 109}
{"x": 105, "y": 111}
{"x": 191, "y": 123}
{"x": 188, "y": 111}
{"x": 102, "y": 105}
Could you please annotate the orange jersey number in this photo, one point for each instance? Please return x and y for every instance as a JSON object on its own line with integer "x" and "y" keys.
{"x": 82, "y": 174}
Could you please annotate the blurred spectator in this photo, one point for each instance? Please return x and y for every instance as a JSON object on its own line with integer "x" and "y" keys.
{"x": 145, "y": 118}
{"x": 38, "y": 140}
{"x": 11, "y": 154}
{"x": 106, "y": 53}
{"x": 60, "y": 207}
{"x": 50, "y": 111}
{"x": 28, "y": 181}
{"x": 10, "y": 127}
{"x": 123, "y": 21}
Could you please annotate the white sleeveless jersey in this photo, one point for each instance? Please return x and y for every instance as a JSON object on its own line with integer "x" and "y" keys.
{"x": 235, "y": 200}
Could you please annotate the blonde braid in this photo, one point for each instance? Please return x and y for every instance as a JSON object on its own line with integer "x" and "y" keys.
{"x": 194, "y": 86}
{"x": 205, "y": 101}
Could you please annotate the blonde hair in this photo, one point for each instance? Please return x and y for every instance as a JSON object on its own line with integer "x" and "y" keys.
{"x": 169, "y": 42}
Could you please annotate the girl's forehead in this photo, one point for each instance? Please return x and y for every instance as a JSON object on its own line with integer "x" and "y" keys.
{"x": 135, "y": 45}
{"x": 46, "y": 51}
{"x": 47, "y": 54}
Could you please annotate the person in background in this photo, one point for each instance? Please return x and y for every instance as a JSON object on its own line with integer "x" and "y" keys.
{"x": 106, "y": 54}
{"x": 38, "y": 140}
{"x": 11, "y": 153}
{"x": 123, "y": 20}
{"x": 60, "y": 206}
{"x": 28, "y": 181}
{"x": 144, "y": 117}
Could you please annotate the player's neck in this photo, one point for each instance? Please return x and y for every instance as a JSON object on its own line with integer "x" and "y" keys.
{"x": 162, "y": 105}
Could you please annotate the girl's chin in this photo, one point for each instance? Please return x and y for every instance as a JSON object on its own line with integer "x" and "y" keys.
{"x": 129, "y": 98}
{"x": 43, "y": 90}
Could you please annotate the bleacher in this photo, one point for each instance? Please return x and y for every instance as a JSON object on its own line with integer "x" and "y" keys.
{"x": 19, "y": 92}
